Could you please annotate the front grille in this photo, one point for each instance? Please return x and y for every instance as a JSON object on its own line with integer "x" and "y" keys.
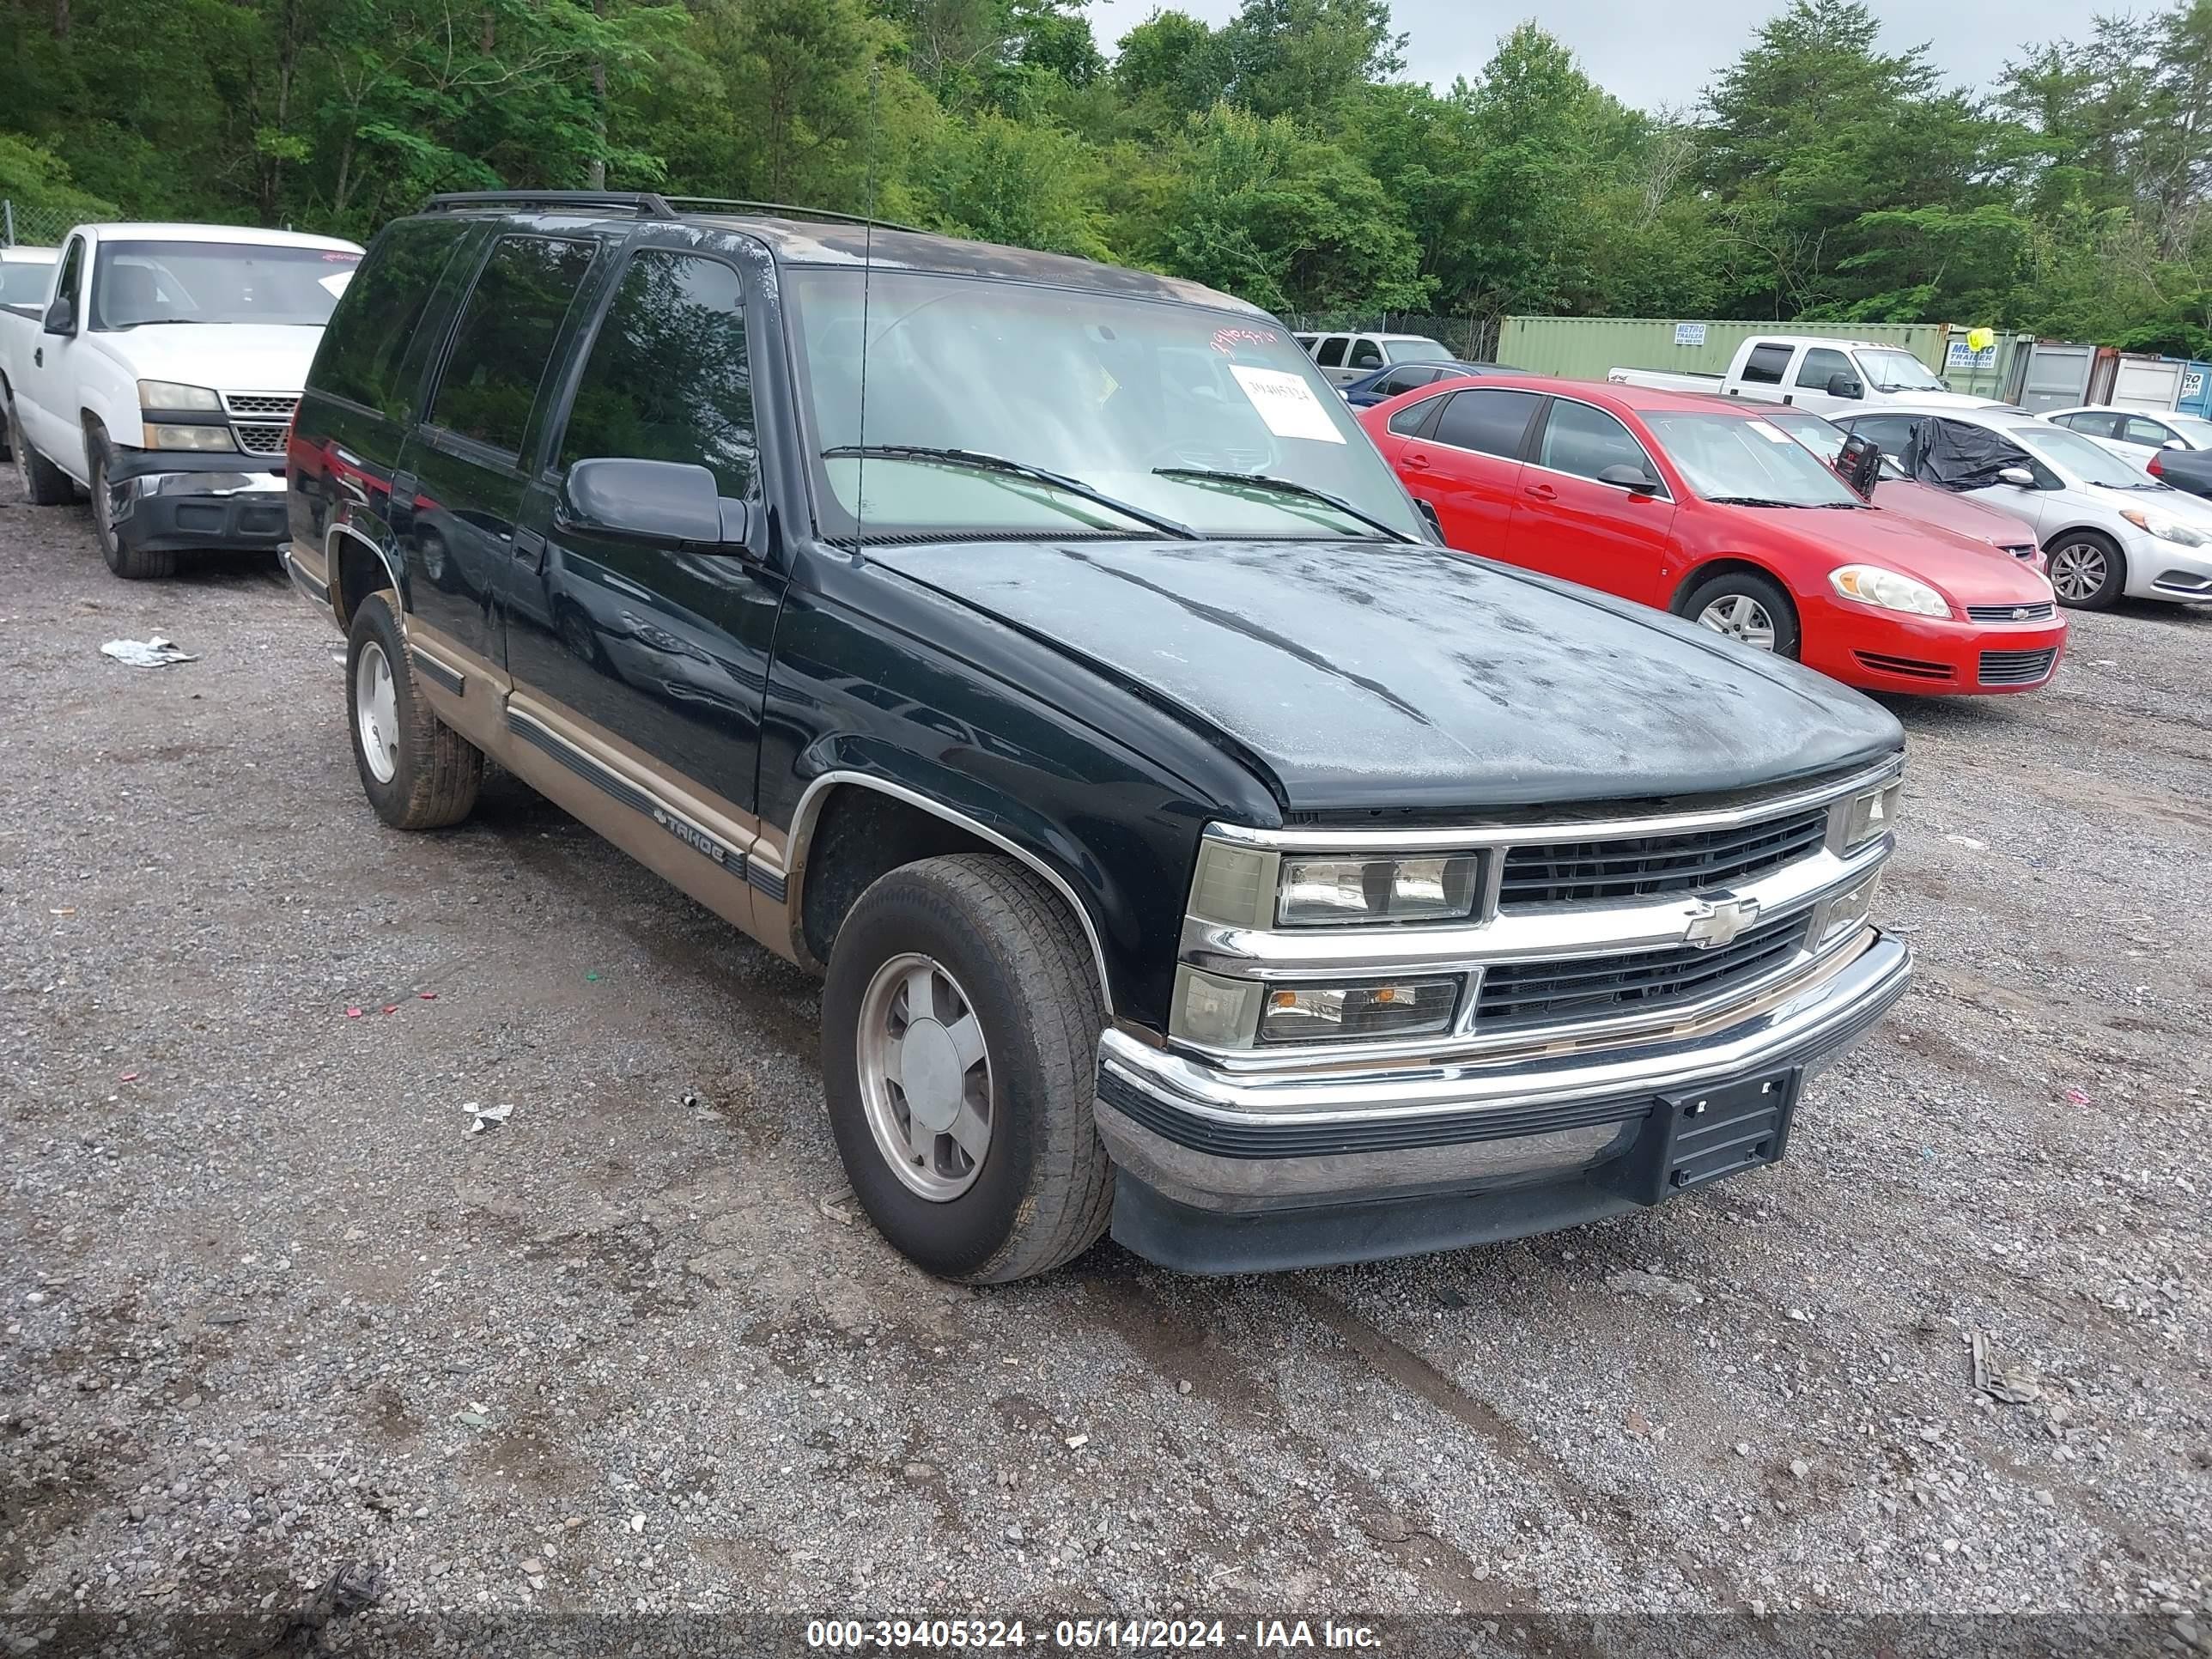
{"x": 2041, "y": 611}
{"x": 1911, "y": 668}
{"x": 274, "y": 406}
{"x": 2017, "y": 667}
{"x": 258, "y": 440}
{"x": 1633, "y": 981}
{"x": 1640, "y": 865}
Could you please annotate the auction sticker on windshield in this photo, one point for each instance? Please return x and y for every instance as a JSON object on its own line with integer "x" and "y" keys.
{"x": 1287, "y": 403}
{"x": 1773, "y": 434}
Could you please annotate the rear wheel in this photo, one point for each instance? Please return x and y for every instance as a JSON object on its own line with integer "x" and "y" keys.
{"x": 959, "y": 1037}
{"x": 132, "y": 564}
{"x": 417, "y": 772}
{"x": 1746, "y": 607}
{"x": 2088, "y": 570}
{"x": 44, "y": 483}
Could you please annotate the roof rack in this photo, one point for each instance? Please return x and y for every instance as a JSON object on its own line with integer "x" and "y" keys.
{"x": 785, "y": 210}
{"x": 643, "y": 202}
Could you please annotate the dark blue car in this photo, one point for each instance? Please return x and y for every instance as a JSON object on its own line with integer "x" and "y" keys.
{"x": 1387, "y": 383}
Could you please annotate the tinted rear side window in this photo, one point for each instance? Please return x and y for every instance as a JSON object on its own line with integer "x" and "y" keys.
{"x": 667, "y": 379}
{"x": 1410, "y": 419}
{"x": 1765, "y": 364}
{"x": 505, "y": 338}
{"x": 1488, "y": 422}
{"x": 1331, "y": 352}
{"x": 365, "y": 342}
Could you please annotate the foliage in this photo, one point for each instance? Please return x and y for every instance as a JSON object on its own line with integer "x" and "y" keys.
{"x": 1280, "y": 155}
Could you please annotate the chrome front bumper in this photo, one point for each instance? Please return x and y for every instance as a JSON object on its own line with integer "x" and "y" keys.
{"x": 1531, "y": 1136}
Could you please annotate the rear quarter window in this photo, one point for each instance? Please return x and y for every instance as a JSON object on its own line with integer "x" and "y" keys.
{"x": 364, "y": 346}
{"x": 1766, "y": 365}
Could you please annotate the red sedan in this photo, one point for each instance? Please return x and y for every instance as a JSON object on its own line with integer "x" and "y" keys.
{"x": 1711, "y": 511}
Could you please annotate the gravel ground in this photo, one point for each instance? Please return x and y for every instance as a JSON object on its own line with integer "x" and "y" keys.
{"x": 270, "y": 1311}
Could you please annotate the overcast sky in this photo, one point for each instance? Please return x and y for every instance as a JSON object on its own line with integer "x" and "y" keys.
{"x": 1664, "y": 52}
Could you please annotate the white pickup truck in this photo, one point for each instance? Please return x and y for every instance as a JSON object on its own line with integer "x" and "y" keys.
{"x": 158, "y": 373}
{"x": 1828, "y": 376}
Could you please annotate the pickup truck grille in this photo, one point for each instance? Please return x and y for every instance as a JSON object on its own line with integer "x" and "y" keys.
{"x": 1566, "y": 871}
{"x": 260, "y": 419}
{"x": 1633, "y": 981}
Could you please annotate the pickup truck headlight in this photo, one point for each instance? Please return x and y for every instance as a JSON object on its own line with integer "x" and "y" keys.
{"x": 2165, "y": 529}
{"x": 188, "y": 437}
{"x": 1888, "y": 589}
{"x": 1341, "y": 892}
{"x": 1394, "y": 1008}
{"x": 1871, "y": 814}
{"x": 168, "y": 394}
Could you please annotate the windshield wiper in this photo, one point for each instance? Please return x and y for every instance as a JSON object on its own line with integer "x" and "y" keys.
{"x": 977, "y": 460}
{"x": 1753, "y": 501}
{"x": 152, "y": 322}
{"x": 1841, "y": 507}
{"x": 1261, "y": 481}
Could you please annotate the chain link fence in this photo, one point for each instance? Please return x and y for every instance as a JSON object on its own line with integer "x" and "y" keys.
{"x": 1471, "y": 339}
{"x": 23, "y": 225}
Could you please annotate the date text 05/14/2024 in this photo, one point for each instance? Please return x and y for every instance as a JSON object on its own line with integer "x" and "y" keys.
{"x": 1165, "y": 1635}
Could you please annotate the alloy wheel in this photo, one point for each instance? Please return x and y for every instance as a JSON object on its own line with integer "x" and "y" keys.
{"x": 376, "y": 712}
{"x": 925, "y": 1075}
{"x": 2079, "y": 570}
{"x": 1740, "y": 617}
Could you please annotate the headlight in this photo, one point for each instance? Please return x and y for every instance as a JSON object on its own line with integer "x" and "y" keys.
{"x": 188, "y": 437}
{"x": 1394, "y": 1008}
{"x": 2165, "y": 529}
{"x": 1339, "y": 892}
{"x": 1887, "y": 589}
{"x": 1871, "y": 814}
{"x": 167, "y": 394}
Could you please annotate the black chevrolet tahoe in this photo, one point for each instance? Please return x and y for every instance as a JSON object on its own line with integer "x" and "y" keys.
{"x": 1038, "y": 650}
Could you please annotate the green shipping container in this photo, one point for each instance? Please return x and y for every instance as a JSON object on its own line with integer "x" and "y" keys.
{"x": 1584, "y": 348}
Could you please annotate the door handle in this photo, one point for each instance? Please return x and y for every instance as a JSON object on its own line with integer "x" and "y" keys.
{"x": 529, "y": 549}
{"x": 1542, "y": 492}
{"x": 38, "y": 357}
{"x": 1418, "y": 462}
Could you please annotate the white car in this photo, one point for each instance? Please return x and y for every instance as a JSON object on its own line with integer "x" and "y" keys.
{"x": 1344, "y": 357}
{"x": 157, "y": 371}
{"x": 2135, "y": 434}
{"x": 2106, "y": 527}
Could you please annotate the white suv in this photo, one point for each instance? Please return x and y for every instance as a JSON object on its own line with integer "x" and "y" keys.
{"x": 2107, "y": 528}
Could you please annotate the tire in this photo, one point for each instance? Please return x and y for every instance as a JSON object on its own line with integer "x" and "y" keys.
{"x": 434, "y": 772}
{"x": 2094, "y": 570}
{"x": 44, "y": 483}
{"x": 132, "y": 564}
{"x": 1753, "y": 603}
{"x": 1007, "y": 947}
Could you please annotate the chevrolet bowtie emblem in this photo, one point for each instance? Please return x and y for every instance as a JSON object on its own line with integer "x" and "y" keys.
{"x": 1719, "y": 920}
{"x": 2020, "y": 613}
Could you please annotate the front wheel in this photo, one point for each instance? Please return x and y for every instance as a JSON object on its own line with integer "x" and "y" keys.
{"x": 1747, "y": 608}
{"x": 960, "y": 1031}
{"x": 2087, "y": 570}
{"x": 131, "y": 563}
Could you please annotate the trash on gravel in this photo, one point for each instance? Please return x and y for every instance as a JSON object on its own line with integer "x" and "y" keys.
{"x": 1968, "y": 843}
{"x": 388, "y": 1008}
{"x": 1641, "y": 1281}
{"x": 347, "y": 1591}
{"x": 428, "y": 996}
{"x": 483, "y": 1117}
{"x": 478, "y": 1416}
{"x": 1078, "y": 1442}
{"x": 2013, "y": 1385}
{"x": 157, "y": 652}
{"x": 128, "y": 1077}
{"x": 2076, "y": 1096}
{"x": 833, "y": 1209}
{"x": 353, "y": 1013}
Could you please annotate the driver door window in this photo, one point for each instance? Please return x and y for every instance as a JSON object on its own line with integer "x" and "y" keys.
{"x": 1584, "y": 441}
{"x": 1822, "y": 364}
{"x": 1365, "y": 354}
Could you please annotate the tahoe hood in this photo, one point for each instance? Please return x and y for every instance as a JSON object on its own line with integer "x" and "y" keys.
{"x": 1354, "y": 676}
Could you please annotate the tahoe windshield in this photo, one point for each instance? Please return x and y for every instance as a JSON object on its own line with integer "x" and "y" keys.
{"x": 2090, "y": 462}
{"x": 1892, "y": 370}
{"x": 1109, "y": 394}
{"x": 138, "y": 283}
{"x": 1726, "y": 459}
{"x": 1415, "y": 351}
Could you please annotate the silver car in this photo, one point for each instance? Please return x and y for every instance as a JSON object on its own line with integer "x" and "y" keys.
{"x": 2107, "y": 528}
{"x": 2135, "y": 434}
